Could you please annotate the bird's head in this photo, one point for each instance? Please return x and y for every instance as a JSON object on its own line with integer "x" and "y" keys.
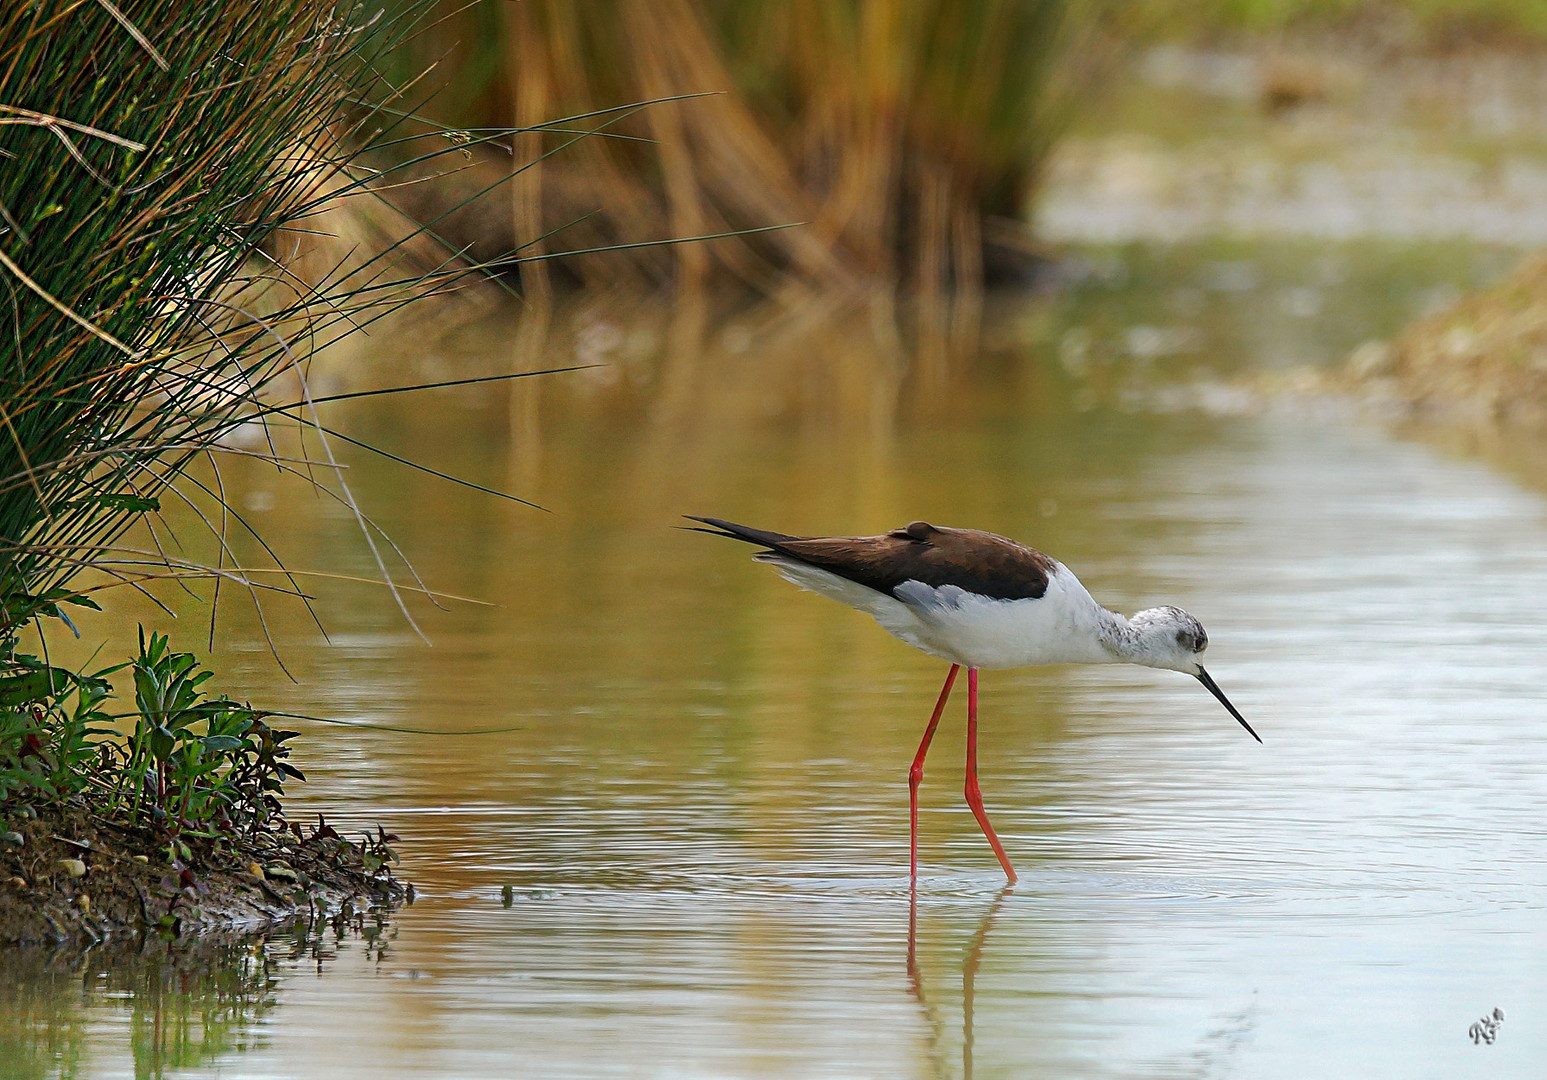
{"x": 1168, "y": 637}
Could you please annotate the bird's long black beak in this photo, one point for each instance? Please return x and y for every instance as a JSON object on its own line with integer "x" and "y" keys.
{"x": 1213, "y": 688}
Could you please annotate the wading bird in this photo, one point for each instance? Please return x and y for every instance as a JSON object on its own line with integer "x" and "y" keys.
{"x": 976, "y": 600}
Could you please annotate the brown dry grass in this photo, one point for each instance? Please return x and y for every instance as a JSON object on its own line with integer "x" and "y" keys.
{"x": 901, "y": 134}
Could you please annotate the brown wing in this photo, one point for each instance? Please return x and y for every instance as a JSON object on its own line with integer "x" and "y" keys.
{"x": 978, "y": 562}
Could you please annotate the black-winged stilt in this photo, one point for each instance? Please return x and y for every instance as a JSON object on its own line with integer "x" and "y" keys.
{"x": 977, "y": 600}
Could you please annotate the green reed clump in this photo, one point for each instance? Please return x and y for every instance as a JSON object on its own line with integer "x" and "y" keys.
{"x": 166, "y": 171}
{"x": 190, "y": 765}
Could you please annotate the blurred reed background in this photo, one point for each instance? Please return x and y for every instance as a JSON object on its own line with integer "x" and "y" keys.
{"x": 906, "y": 138}
{"x": 907, "y": 141}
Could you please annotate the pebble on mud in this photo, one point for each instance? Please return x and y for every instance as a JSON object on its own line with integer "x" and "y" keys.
{"x": 13, "y": 838}
{"x": 256, "y": 870}
{"x": 280, "y": 872}
{"x": 72, "y": 868}
{"x": 83, "y": 901}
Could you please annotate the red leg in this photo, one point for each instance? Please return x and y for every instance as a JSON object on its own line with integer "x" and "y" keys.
{"x": 974, "y": 796}
{"x": 916, "y": 774}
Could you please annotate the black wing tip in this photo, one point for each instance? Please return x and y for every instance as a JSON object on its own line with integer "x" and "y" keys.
{"x": 729, "y": 527}
{"x": 719, "y": 527}
{"x": 744, "y": 533}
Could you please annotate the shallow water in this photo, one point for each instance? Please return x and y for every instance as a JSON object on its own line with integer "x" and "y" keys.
{"x": 702, "y": 810}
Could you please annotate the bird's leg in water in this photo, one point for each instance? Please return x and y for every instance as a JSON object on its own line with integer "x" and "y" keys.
{"x": 916, "y": 774}
{"x": 974, "y": 796}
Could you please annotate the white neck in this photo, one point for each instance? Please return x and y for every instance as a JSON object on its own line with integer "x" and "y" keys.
{"x": 1118, "y": 636}
{"x": 1151, "y": 638}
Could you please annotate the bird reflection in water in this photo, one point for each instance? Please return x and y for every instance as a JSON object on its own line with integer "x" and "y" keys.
{"x": 970, "y": 963}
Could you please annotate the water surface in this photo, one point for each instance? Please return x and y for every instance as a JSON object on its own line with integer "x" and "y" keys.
{"x": 701, "y": 807}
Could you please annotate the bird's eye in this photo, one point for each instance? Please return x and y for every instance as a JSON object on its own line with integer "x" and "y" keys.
{"x": 1192, "y": 640}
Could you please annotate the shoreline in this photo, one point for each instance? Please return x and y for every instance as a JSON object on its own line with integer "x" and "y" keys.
{"x": 74, "y": 878}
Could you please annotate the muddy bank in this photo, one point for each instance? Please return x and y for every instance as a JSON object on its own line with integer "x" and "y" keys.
{"x": 1483, "y": 359}
{"x": 69, "y": 876}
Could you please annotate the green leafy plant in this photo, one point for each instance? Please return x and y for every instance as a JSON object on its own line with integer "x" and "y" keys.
{"x": 190, "y": 765}
{"x": 196, "y": 765}
{"x": 50, "y": 719}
